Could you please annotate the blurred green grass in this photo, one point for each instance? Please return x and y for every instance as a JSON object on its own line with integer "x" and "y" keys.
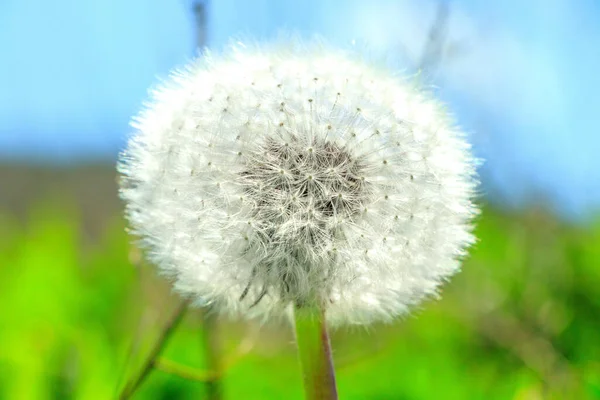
{"x": 521, "y": 321}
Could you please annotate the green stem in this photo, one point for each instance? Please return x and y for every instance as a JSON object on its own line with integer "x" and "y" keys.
{"x": 315, "y": 354}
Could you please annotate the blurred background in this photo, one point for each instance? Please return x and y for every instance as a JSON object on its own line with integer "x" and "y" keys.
{"x": 80, "y": 310}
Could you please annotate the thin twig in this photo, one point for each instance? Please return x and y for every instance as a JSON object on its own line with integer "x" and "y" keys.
{"x": 187, "y": 372}
{"x": 133, "y": 384}
{"x": 184, "y": 371}
{"x": 433, "y": 49}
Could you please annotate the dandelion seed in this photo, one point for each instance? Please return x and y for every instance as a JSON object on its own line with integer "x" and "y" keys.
{"x": 360, "y": 203}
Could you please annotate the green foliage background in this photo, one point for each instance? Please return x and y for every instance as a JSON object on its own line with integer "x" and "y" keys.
{"x": 521, "y": 321}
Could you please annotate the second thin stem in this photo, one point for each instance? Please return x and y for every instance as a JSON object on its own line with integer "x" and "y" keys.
{"x": 163, "y": 338}
{"x": 211, "y": 354}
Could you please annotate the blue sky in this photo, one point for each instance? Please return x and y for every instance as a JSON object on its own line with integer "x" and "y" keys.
{"x": 521, "y": 76}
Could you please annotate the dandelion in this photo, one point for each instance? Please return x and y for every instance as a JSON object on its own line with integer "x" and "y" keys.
{"x": 288, "y": 177}
{"x": 273, "y": 177}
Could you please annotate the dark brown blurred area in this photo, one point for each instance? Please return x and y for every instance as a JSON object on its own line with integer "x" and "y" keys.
{"x": 91, "y": 191}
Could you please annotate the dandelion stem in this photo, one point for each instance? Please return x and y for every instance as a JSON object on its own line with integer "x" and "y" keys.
{"x": 134, "y": 383}
{"x": 315, "y": 354}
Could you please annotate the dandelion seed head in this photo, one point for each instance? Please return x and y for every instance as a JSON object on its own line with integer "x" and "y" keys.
{"x": 273, "y": 177}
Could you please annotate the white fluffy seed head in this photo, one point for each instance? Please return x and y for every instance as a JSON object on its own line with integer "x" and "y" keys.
{"x": 270, "y": 177}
